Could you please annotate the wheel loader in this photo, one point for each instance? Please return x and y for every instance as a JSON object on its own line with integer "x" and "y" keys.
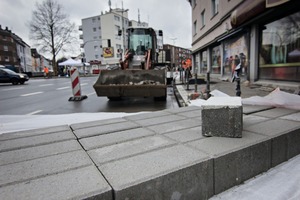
{"x": 138, "y": 73}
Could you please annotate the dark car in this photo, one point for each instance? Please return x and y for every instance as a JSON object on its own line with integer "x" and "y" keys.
{"x": 9, "y": 76}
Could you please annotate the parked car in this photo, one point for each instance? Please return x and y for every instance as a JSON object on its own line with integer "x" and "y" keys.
{"x": 9, "y": 76}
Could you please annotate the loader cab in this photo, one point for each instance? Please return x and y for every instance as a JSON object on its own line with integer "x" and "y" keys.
{"x": 140, "y": 40}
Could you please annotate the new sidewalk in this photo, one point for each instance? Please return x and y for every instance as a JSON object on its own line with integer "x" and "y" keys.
{"x": 159, "y": 155}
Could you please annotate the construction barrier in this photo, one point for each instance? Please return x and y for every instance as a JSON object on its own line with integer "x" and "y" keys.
{"x": 76, "y": 86}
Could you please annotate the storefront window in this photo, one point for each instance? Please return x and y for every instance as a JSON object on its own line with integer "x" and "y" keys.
{"x": 203, "y": 67}
{"x": 280, "y": 49}
{"x": 236, "y": 52}
{"x": 216, "y": 60}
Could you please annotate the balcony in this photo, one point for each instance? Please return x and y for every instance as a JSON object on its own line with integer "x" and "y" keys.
{"x": 81, "y": 36}
{"x": 80, "y": 28}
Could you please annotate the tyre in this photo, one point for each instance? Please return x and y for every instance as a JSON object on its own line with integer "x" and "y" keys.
{"x": 15, "y": 81}
{"x": 22, "y": 82}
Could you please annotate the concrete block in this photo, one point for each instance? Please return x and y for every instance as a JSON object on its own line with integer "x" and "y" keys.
{"x": 222, "y": 117}
{"x": 176, "y": 172}
{"x": 273, "y": 127}
{"x": 159, "y": 120}
{"x": 114, "y": 138}
{"x": 96, "y": 123}
{"x": 175, "y": 126}
{"x": 31, "y": 153}
{"x": 34, "y": 132}
{"x": 32, "y": 141}
{"x": 83, "y": 183}
{"x": 32, "y": 169}
{"x": 104, "y": 129}
{"x": 129, "y": 148}
{"x": 186, "y": 135}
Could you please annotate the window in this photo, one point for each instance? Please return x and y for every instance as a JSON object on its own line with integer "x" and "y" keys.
{"x": 6, "y": 58}
{"x": 195, "y": 28}
{"x": 94, "y": 29}
{"x": 94, "y": 20}
{"x": 280, "y": 49}
{"x": 117, "y": 18}
{"x": 96, "y": 56}
{"x": 5, "y": 48}
{"x": 215, "y": 7}
{"x": 194, "y": 3}
{"x": 96, "y": 48}
{"x": 4, "y": 37}
{"x": 203, "y": 67}
{"x": 216, "y": 60}
{"x": 203, "y": 18}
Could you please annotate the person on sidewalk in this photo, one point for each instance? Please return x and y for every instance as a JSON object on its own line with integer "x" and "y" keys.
{"x": 46, "y": 72}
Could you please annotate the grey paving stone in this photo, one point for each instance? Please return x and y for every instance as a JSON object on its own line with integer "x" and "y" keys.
{"x": 279, "y": 150}
{"x": 147, "y": 115}
{"x": 175, "y": 126}
{"x": 34, "y": 132}
{"x": 114, "y": 138}
{"x": 274, "y": 127}
{"x": 176, "y": 170}
{"x": 249, "y": 120}
{"x": 218, "y": 146}
{"x": 249, "y": 109}
{"x": 186, "y": 135}
{"x": 183, "y": 109}
{"x": 234, "y": 168}
{"x": 83, "y": 183}
{"x": 129, "y": 148}
{"x": 159, "y": 120}
{"x": 275, "y": 113}
{"x": 104, "y": 129}
{"x": 30, "y": 153}
{"x": 292, "y": 117}
{"x": 192, "y": 114}
{"x": 293, "y": 143}
{"x": 29, "y": 170}
{"x": 96, "y": 123}
{"x": 32, "y": 141}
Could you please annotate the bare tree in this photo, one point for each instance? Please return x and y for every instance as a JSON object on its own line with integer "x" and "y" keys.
{"x": 51, "y": 29}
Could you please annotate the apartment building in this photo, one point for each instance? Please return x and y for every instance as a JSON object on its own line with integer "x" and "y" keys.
{"x": 100, "y": 36}
{"x": 177, "y": 55}
{"x": 262, "y": 35}
{"x": 14, "y": 51}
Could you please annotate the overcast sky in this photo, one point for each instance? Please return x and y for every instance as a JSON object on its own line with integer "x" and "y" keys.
{"x": 171, "y": 16}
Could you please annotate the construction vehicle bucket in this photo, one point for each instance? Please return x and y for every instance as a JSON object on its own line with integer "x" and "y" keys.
{"x": 131, "y": 83}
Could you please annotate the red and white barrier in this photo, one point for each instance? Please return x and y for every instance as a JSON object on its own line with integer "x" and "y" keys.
{"x": 76, "y": 86}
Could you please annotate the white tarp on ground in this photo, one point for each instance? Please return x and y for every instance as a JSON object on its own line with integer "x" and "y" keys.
{"x": 277, "y": 98}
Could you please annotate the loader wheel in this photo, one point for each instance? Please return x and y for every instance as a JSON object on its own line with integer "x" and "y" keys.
{"x": 114, "y": 98}
{"x": 163, "y": 98}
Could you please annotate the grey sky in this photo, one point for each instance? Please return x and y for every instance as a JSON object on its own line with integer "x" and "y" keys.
{"x": 171, "y": 16}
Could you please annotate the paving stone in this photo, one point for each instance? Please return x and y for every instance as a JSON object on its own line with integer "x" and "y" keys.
{"x": 114, "y": 138}
{"x": 186, "y": 135}
{"x": 29, "y": 170}
{"x": 97, "y": 123}
{"x": 164, "y": 174}
{"x": 175, "y": 126}
{"x": 279, "y": 150}
{"x": 159, "y": 120}
{"x": 34, "y": 132}
{"x": 83, "y": 183}
{"x": 195, "y": 114}
{"x": 129, "y": 148}
{"x": 104, "y": 129}
{"x": 31, "y": 153}
{"x": 183, "y": 109}
{"x": 147, "y": 115}
{"x": 274, "y": 127}
{"x": 292, "y": 117}
{"x": 250, "y": 109}
{"x": 249, "y": 120}
{"x": 32, "y": 141}
{"x": 275, "y": 113}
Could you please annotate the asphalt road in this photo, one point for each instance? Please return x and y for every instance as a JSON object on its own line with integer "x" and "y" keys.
{"x": 50, "y": 96}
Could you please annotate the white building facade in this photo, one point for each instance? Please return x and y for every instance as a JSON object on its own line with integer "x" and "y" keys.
{"x": 100, "y": 36}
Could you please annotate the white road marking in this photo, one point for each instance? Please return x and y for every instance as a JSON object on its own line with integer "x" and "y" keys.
{"x": 16, "y": 88}
{"x": 35, "y": 112}
{"x": 91, "y": 94}
{"x": 63, "y": 88}
{"x": 45, "y": 85}
{"x": 30, "y": 94}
